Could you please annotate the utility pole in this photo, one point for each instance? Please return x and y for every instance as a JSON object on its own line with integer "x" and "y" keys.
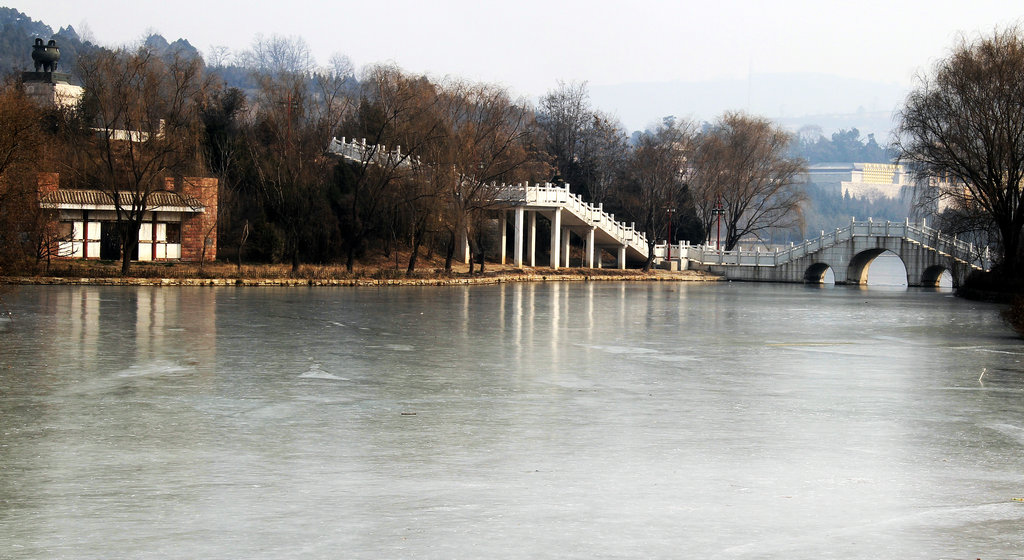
{"x": 718, "y": 212}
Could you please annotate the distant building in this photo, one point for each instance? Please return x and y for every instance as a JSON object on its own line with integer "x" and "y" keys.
{"x": 875, "y": 181}
{"x": 870, "y": 181}
{"x": 829, "y": 176}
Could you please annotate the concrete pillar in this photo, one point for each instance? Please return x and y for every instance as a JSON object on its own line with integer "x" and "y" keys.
{"x": 565, "y": 247}
{"x": 503, "y": 216}
{"x": 622, "y": 257}
{"x": 517, "y": 232}
{"x": 531, "y": 244}
{"x": 590, "y": 248}
{"x": 600, "y": 254}
{"x": 556, "y": 231}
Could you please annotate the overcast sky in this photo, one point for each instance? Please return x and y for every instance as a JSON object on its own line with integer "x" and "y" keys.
{"x": 528, "y": 45}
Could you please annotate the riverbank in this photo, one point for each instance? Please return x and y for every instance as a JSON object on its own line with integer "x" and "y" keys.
{"x": 217, "y": 274}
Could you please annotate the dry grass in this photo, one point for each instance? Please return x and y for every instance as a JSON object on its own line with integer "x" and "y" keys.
{"x": 379, "y": 268}
{"x": 371, "y": 270}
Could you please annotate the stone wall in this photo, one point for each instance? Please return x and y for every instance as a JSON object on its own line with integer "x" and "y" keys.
{"x": 47, "y": 183}
{"x": 199, "y": 229}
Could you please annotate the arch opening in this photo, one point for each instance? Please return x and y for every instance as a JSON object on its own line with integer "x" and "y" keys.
{"x": 878, "y": 267}
{"x": 819, "y": 273}
{"x": 937, "y": 276}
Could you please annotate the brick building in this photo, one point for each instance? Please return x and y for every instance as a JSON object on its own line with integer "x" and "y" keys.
{"x": 179, "y": 223}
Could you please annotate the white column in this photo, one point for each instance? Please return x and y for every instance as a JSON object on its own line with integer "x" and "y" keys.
{"x": 556, "y": 242}
{"x": 531, "y": 245}
{"x": 565, "y": 247}
{"x": 503, "y": 216}
{"x": 518, "y": 234}
{"x": 590, "y": 248}
{"x": 600, "y": 254}
{"x": 622, "y": 257}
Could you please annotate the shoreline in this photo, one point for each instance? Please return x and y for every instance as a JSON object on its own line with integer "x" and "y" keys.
{"x": 503, "y": 278}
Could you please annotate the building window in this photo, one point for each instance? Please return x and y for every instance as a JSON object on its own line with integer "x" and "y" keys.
{"x": 66, "y": 231}
{"x": 174, "y": 232}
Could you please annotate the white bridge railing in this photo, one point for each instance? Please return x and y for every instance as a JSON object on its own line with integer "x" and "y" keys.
{"x": 359, "y": 151}
{"x": 548, "y": 195}
{"x": 918, "y": 234}
{"x": 537, "y": 195}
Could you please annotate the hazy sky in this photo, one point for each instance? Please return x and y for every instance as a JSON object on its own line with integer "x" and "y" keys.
{"x": 528, "y": 45}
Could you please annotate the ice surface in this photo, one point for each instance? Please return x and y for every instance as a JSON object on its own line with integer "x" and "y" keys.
{"x": 513, "y": 421}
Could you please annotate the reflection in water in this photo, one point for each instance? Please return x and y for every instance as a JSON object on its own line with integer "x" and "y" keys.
{"x": 513, "y": 421}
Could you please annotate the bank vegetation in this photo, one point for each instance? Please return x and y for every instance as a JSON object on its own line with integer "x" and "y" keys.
{"x": 434, "y": 151}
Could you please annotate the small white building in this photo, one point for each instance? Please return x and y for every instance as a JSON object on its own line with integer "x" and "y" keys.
{"x": 875, "y": 181}
{"x": 180, "y": 222}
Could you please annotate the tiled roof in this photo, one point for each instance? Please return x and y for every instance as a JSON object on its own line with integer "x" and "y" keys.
{"x": 84, "y": 197}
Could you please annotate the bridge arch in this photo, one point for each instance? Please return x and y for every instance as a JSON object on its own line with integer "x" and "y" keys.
{"x": 860, "y": 264}
{"x": 932, "y": 275}
{"x": 815, "y": 274}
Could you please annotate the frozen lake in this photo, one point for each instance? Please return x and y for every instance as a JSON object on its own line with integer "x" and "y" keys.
{"x": 577, "y": 420}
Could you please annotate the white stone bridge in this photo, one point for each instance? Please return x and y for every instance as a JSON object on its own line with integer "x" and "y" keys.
{"x": 567, "y": 213}
{"x": 848, "y": 252}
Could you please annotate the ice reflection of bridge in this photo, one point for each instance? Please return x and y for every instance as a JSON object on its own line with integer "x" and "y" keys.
{"x": 848, "y": 253}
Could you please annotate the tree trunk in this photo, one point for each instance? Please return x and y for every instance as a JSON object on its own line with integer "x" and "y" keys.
{"x": 449, "y": 253}
{"x": 417, "y": 239}
{"x": 126, "y": 246}
{"x": 241, "y": 243}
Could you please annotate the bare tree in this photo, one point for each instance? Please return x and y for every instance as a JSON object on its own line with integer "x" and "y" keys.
{"x": 398, "y": 117}
{"x": 488, "y": 142}
{"x": 218, "y": 56}
{"x": 277, "y": 55}
{"x": 605, "y": 149}
{"x": 742, "y": 163}
{"x": 963, "y": 130}
{"x": 655, "y": 179}
{"x": 22, "y": 152}
{"x": 588, "y": 148}
{"x": 295, "y": 118}
{"x": 138, "y": 125}
{"x": 564, "y": 115}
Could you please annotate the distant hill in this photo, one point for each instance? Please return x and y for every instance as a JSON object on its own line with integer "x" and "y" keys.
{"x": 794, "y": 100}
{"x": 180, "y": 47}
{"x": 18, "y": 32}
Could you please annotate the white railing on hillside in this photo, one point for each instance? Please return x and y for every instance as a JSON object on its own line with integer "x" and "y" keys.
{"x": 359, "y": 151}
{"x": 919, "y": 234}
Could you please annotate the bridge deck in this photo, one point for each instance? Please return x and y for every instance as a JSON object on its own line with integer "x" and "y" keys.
{"x": 918, "y": 234}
